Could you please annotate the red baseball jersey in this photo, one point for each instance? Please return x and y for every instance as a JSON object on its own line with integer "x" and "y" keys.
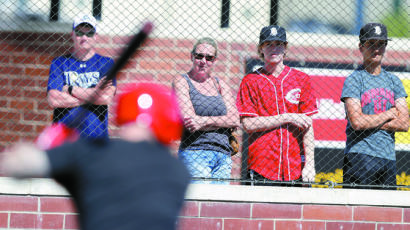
{"x": 275, "y": 153}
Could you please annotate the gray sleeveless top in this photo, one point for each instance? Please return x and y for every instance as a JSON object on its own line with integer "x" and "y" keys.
{"x": 214, "y": 140}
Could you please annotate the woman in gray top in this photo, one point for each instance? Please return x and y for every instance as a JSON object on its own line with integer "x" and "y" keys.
{"x": 209, "y": 110}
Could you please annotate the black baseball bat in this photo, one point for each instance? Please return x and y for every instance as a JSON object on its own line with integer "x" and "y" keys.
{"x": 135, "y": 43}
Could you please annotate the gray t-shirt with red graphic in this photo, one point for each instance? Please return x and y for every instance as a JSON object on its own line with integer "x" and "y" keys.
{"x": 376, "y": 94}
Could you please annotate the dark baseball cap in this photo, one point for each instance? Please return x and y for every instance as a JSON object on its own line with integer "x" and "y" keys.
{"x": 375, "y": 31}
{"x": 272, "y": 33}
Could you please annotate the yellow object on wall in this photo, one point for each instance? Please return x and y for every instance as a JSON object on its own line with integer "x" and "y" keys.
{"x": 404, "y": 137}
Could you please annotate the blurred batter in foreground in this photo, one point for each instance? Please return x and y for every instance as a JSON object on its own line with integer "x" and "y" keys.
{"x": 132, "y": 182}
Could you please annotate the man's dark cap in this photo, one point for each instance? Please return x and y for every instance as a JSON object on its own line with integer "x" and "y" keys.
{"x": 375, "y": 31}
{"x": 272, "y": 33}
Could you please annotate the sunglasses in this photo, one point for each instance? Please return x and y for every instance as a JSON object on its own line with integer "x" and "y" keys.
{"x": 80, "y": 33}
{"x": 375, "y": 45}
{"x": 199, "y": 56}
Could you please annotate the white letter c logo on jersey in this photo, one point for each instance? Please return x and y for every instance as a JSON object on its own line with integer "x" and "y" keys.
{"x": 293, "y": 96}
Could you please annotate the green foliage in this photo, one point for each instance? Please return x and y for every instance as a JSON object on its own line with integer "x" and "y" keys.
{"x": 398, "y": 24}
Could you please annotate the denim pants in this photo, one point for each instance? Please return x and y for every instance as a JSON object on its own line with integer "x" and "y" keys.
{"x": 368, "y": 170}
{"x": 208, "y": 164}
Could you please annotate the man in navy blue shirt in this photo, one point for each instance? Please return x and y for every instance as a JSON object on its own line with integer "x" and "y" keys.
{"x": 74, "y": 77}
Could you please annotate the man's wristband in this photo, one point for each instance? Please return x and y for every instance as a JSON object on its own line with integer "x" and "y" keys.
{"x": 70, "y": 90}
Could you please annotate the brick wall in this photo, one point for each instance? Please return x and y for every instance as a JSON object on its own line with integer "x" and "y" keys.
{"x": 264, "y": 216}
{"x": 43, "y": 212}
{"x": 37, "y": 212}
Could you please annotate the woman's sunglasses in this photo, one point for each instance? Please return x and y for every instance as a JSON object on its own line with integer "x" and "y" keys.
{"x": 199, "y": 56}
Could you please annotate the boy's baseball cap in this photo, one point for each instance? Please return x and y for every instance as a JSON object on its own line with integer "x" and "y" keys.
{"x": 272, "y": 33}
{"x": 376, "y": 31}
{"x": 85, "y": 18}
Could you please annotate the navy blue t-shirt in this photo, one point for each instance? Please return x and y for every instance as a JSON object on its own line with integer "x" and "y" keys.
{"x": 67, "y": 70}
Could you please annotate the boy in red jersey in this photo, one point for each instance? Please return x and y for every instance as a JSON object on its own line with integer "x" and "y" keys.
{"x": 275, "y": 103}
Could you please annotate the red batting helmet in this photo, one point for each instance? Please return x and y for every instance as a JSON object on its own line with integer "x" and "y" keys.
{"x": 153, "y": 105}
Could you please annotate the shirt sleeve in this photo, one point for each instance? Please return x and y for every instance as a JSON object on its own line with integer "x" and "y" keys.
{"x": 399, "y": 91}
{"x": 308, "y": 102}
{"x": 56, "y": 78}
{"x": 350, "y": 88}
{"x": 246, "y": 100}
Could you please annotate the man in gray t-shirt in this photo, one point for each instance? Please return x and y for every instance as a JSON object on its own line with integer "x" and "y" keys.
{"x": 376, "y": 108}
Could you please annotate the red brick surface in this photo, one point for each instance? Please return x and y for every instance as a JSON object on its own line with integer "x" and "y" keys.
{"x": 4, "y": 217}
{"x": 35, "y": 116}
{"x": 350, "y": 226}
{"x": 37, "y": 221}
{"x": 174, "y": 55}
{"x": 57, "y": 204}
{"x": 276, "y": 211}
{"x": 18, "y": 203}
{"x": 11, "y": 70}
{"x": 393, "y": 226}
{"x": 155, "y": 65}
{"x": 71, "y": 222}
{"x": 160, "y": 43}
{"x": 58, "y": 213}
{"x": 199, "y": 224}
{"x": 9, "y": 47}
{"x": 246, "y": 224}
{"x": 406, "y": 216}
{"x": 327, "y": 212}
{"x": 23, "y": 220}
{"x": 185, "y": 44}
{"x": 147, "y": 54}
{"x": 238, "y": 46}
{"x": 20, "y": 127}
{"x": 131, "y": 64}
{"x": 21, "y": 104}
{"x": 225, "y": 209}
{"x": 50, "y": 221}
{"x": 4, "y": 59}
{"x": 297, "y": 225}
{"x": 220, "y": 68}
{"x": 190, "y": 208}
{"x": 377, "y": 214}
{"x": 36, "y": 72}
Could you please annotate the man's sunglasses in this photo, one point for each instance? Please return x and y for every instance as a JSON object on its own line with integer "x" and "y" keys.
{"x": 80, "y": 33}
{"x": 199, "y": 56}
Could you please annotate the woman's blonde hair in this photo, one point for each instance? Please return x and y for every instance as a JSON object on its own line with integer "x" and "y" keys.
{"x": 206, "y": 40}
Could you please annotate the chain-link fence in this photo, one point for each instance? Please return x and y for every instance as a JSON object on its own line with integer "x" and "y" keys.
{"x": 323, "y": 42}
